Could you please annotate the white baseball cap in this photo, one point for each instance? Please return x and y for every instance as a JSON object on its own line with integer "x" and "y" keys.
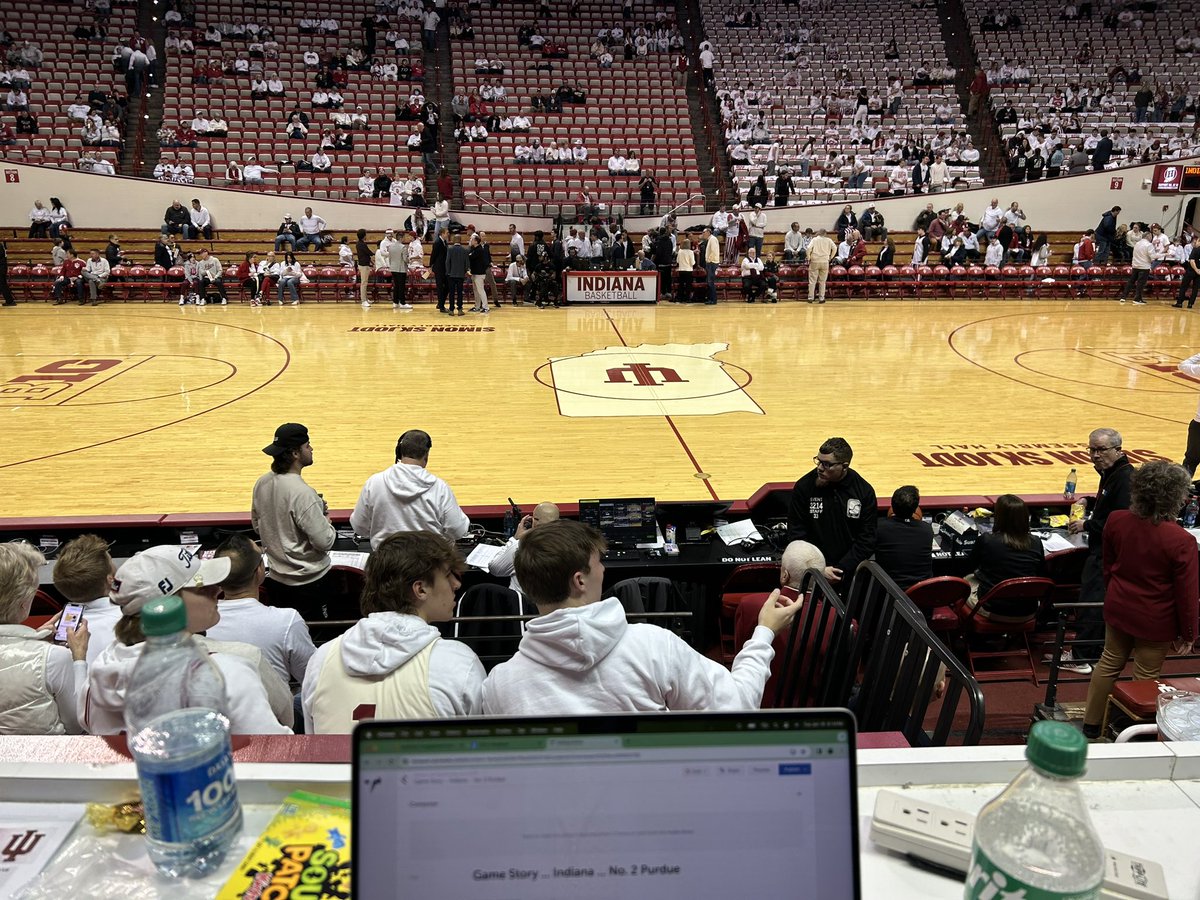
{"x": 161, "y": 572}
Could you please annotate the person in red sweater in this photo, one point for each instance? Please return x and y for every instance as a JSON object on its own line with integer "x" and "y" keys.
{"x": 1153, "y": 575}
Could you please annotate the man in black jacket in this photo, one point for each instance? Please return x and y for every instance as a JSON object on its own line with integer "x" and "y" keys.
{"x": 176, "y": 220}
{"x": 623, "y": 252}
{"x": 437, "y": 262}
{"x": 904, "y": 545}
{"x": 1103, "y": 151}
{"x": 834, "y": 508}
{"x": 1116, "y": 473}
{"x": 1106, "y": 233}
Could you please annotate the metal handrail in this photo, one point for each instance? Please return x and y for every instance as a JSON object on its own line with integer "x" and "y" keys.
{"x": 684, "y": 203}
{"x": 479, "y": 196}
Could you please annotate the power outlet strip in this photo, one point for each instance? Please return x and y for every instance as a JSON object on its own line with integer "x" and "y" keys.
{"x": 942, "y": 836}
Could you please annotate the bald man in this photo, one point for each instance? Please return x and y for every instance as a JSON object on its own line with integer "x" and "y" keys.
{"x": 503, "y": 563}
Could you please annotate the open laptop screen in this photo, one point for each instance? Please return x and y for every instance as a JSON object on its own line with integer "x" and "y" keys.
{"x": 633, "y": 806}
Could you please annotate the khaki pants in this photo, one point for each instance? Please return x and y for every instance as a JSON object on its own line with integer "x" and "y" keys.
{"x": 818, "y": 273}
{"x": 364, "y": 283}
{"x": 481, "y": 301}
{"x": 1118, "y": 647}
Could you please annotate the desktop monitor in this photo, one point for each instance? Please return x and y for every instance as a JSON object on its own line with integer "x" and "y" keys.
{"x": 625, "y": 522}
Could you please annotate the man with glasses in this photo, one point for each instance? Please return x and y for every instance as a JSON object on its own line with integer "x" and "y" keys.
{"x": 834, "y": 508}
{"x": 1116, "y": 471}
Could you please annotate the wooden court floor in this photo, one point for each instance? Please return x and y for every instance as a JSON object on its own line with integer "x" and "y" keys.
{"x": 127, "y": 409}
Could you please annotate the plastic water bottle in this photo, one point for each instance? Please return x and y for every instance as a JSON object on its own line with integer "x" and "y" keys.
{"x": 1036, "y": 839}
{"x": 1190, "y": 511}
{"x": 1072, "y": 481}
{"x": 175, "y": 716}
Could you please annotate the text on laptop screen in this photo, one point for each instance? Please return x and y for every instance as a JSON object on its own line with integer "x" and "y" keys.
{"x": 630, "y": 807}
{"x": 626, "y": 522}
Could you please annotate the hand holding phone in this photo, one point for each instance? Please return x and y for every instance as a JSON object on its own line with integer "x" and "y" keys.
{"x": 77, "y": 641}
{"x": 68, "y": 619}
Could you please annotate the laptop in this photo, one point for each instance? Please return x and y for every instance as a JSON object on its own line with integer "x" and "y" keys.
{"x": 653, "y": 806}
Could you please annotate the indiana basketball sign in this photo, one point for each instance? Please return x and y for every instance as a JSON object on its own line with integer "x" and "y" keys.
{"x": 612, "y": 287}
{"x": 649, "y": 380}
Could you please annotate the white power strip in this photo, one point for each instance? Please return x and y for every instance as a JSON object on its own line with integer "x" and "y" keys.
{"x": 942, "y": 836}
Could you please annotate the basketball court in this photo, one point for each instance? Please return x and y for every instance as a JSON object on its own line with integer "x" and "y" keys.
{"x": 128, "y": 409}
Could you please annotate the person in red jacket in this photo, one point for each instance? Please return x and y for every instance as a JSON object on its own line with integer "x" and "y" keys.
{"x": 1153, "y": 574}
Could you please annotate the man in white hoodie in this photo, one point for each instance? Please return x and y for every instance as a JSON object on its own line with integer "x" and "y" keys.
{"x": 407, "y": 497}
{"x": 582, "y": 656}
{"x": 393, "y": 664}
{"x": 150, "y": 575}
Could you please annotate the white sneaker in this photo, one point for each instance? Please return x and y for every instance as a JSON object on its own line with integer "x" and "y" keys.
{"x": 201, "y": 302}
{"x": 395, "y": 306}
{"x": 182, "y": 300}
{"x": 366, "y": 304}
{"x": 402, "y": 306}
{"x": 295, "y": 303}
{"x": 224, "y": 301}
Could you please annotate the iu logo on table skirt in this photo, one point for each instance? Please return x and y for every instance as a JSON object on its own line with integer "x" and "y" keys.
{"x": 649, "y": 380}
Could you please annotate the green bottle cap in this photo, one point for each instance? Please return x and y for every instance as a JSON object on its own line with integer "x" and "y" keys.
{"x": 1057, "y": 748}
{"x": 166, "y": 615}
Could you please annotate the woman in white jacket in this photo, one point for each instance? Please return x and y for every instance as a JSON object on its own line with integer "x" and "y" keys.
{"x": 150, "y": 575}
{"x": 39, "y": 681}
{"x": 393, "y": 664}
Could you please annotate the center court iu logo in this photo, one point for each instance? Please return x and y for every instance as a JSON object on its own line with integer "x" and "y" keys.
{"x": 643, "y": 374}
{"x": 649, "y": 380}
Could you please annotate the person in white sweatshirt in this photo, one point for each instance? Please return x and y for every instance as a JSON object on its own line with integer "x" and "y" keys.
{"x": 393, "y": 664}
{"x": 278, "y": 632}
{"x": 407, "y": 497}
{"x": 83, "y": 574}
{"x": 503, "y": 564}
{"x": 582, "y": 656}
{"x": 150, "y": 575}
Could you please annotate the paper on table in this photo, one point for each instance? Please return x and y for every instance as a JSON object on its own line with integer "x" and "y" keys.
{"x": 482, "y": 555}
{"x": 348, "y": 558}
{"x": 1055, "y": 542}
{"x": 31, "y": 833}
{"x": 738, "y": 532}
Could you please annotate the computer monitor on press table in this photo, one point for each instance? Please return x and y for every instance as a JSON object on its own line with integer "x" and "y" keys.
{"x": 624, "y": 522}
{"x": 635, "y": 807}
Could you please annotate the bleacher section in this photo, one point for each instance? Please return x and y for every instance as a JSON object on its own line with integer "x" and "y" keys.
{"x": 632, "y": 106}
{"x": 1065, "y": 56}
{"x": 70, "y": 69}
{"x": 841, "y": 54}
{"x": 256, "y": 127}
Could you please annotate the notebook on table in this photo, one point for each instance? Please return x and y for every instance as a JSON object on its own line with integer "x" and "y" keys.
{"x": 654, "y": 806}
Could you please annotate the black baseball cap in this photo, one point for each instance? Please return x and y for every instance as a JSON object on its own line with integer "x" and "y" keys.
{"x": 289, "y": 436}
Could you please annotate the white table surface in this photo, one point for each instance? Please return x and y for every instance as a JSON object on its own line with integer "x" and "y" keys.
{"x": 1144, "y": 800}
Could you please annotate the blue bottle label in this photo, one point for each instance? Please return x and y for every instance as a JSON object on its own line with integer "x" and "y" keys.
{"x": 185, "y": 805}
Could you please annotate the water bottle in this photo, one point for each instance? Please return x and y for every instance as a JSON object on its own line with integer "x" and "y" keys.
{"x": 1189, "y": 512}
{"x": 175, "y": 717}
{"x": 1036, "y": 839}
{"x": 1069, "y": 490}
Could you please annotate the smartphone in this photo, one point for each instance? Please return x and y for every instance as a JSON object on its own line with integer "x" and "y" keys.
{"x": 72, "y": 615}
{"x": 790, "y": 592}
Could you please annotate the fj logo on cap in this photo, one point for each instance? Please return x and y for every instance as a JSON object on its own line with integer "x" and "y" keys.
{"x": 166, "y": 586}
